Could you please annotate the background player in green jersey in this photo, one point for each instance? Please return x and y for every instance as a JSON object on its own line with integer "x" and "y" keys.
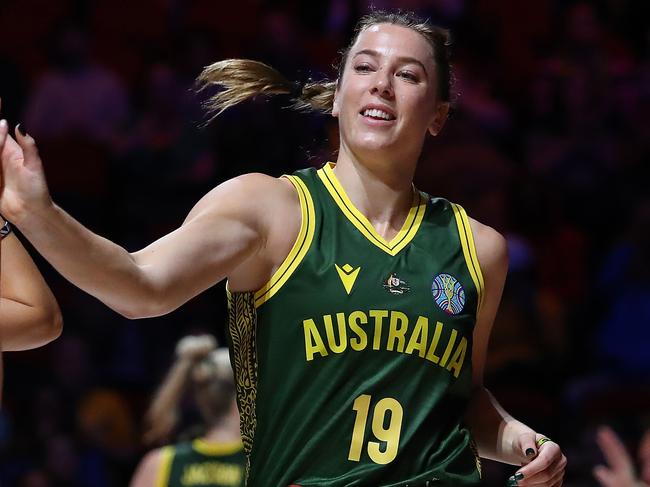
{"x": 393, "y": 89}
{"x": 216, "y": 458}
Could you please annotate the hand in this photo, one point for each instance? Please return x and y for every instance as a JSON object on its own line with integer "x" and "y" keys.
{"x": 22, "y": 181}
{"x": 544, "y": 465}
{"x": 621, "y": 469}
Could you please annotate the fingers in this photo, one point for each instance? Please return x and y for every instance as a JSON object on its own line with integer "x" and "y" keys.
{"x": 604, "y": 476}
{"x": 11, "y": 148}
{"x": 547, "y": 479}
{"x": 528, "y": 446}
{"x": 28, "y": 146}
{"x": 3, "y": 133}
{"x": 613, "y": 449}
{"x": 548, "y": 454}
{"x": 9, "y": 141}
{"x": 556, "y": 479}
{"x": 546, "y": 469}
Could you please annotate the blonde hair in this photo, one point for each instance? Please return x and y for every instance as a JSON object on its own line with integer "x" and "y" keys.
{"x": 204, "y": 367}
{"x": 244, "y": 79}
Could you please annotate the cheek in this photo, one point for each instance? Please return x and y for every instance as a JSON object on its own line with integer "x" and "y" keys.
{"x": 416, "y": 103}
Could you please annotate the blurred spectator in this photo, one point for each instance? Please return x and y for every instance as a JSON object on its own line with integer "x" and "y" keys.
{"x": 76, "y": 95}
{"x": 624, "y": 282}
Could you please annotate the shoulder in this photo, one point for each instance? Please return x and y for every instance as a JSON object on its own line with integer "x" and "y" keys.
{"x": 253, "y": 188}
{"x": 491, "y": 249}
{"x": 249, "y": 196}
{"x": 150, "y": 466}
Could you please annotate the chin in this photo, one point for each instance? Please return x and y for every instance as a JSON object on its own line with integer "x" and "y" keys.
{"x": 375, "y": 144}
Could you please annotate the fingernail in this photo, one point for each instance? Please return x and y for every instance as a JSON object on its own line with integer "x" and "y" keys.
{"x": 519, "y": 476}
{"x": 21, "y": 129}
{"x": 511, "y": 482}
{"x": 530, "y": 452}
{"x": 3, "y": 123}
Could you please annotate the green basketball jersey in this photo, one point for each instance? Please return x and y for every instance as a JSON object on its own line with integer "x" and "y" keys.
{"x": 353, "y": 363}
{"x": 202, "y": 464}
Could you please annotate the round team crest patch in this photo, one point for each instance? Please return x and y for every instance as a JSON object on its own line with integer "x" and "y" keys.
{"x": 448, "y": 294}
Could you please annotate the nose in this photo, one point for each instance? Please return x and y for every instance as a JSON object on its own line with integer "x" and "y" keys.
{"x": 382, "y": 84}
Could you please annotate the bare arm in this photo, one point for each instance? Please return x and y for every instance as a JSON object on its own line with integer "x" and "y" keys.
{"x": 147, "y": 470}
{"x": 498, "y": 435}
{"x": 494, "y": 430}
{"x": 224, "y": 229}
{"x": 29, "y": 314}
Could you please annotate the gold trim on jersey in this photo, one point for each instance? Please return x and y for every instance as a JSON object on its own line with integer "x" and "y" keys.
{"x": 217, "y": 449}
{"x": 166, "y": 457}
{"x": 242, "y": 328}
{"x": 469, "y": 251}
{"x": 359, "y": 220}
{"x": 300, "y": 246}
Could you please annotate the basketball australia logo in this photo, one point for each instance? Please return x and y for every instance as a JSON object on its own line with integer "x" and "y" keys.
{"x": 448, "y": 294}
{"x": 394, "y": 285}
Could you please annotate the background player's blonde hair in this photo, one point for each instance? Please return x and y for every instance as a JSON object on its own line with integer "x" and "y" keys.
{"x": 204, "y": 369}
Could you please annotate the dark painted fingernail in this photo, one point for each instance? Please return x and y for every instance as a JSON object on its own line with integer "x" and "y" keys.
{"x": 530, "y": 452}
{"x": 511, "y": 482}
{"x": 519, "y": 476}
{"x": 21, "y": 129}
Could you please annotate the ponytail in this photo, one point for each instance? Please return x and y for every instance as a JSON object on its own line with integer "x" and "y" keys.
{"x": 163, "y": 413}
{"x": 244, "y": 79}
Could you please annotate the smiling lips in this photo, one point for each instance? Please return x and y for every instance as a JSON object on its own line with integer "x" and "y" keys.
{"x": 377, "y": 113}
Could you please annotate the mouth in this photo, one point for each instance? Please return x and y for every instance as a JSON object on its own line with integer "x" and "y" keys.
{"x": 377, "y": 114}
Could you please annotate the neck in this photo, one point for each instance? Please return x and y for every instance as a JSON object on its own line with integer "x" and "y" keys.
{"x": 381, "y": 189}
{"x": 226, "y": 431}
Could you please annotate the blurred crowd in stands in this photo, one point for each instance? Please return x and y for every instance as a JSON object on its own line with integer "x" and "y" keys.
{"x": 548, "y": 142}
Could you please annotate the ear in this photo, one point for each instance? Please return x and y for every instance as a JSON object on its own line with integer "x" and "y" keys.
{"x": 335, "y": 104}
{"x": 442, "y": 111}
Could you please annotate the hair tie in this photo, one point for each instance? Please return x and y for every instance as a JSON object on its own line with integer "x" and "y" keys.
{"x": 296, "y": 89}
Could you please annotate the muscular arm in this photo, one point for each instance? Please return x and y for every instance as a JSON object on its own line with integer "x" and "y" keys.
{"x": 226, "y": 227}
{"x": 29, "y": 314}
{"x": 498, "y": 435}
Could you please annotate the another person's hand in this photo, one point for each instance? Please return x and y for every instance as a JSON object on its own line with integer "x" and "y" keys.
{"x": 544, "y": 465}
{"x": 620, "y": 468}
{"x": 22, "y": 181}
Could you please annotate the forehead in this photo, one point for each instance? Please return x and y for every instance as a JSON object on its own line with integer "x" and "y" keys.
{"x": 394, "y": 40}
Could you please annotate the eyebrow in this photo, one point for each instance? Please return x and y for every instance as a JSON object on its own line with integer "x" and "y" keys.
{"x": 402, "y": 59}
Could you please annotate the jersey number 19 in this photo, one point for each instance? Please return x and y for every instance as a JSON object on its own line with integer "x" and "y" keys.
{"x": 388, "y": 434}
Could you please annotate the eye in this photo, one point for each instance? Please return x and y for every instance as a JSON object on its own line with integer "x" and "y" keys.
{"x": 363, "y": 68}
{"x": 407, "y": 75}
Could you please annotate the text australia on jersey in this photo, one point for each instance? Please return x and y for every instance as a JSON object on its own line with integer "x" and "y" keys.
{"x": 384, "y": 330}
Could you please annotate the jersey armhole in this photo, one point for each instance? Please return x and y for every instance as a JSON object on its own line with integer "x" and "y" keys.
{"x": 164, "y": 470}
{"x": 300, "y": 246}
{"x": 469, "y": 252}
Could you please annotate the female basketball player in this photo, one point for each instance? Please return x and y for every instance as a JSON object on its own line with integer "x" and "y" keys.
{"x": 360, "y": 308}
{"x": 216, "y": 458}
